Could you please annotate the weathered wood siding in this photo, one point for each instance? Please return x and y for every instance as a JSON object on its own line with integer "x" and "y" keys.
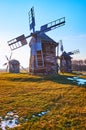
{"x": 65, "y": 63}
{"x": 14, "y": 66}
{"x": 43, "y": 57}
{"x": 49, "y": 54}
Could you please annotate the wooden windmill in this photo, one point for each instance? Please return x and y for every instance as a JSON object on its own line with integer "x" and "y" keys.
{"x": 12, "y": 65}
{"x": 65, "y": 59}
{"x": 43, "y": 48}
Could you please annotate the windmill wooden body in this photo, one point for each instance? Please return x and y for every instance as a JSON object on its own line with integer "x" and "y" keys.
{"x": 65, "y": 61}
{"x": 43, "y": 55}
{"x": 13, "y": 66}
{"x": 43, "y": 48}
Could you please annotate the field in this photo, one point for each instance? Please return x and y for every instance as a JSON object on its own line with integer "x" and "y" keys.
{"x": 44, "y": 102}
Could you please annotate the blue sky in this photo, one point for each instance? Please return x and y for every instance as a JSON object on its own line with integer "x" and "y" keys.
{"x": 14, "y": 22}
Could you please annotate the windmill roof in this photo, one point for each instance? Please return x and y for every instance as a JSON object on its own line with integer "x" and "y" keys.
{"x": 13, "y": 61}
{"x": 46, "y": 38}
{"x": 66, "y": 55}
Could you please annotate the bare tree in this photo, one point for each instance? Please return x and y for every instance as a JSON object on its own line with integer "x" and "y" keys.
{"x": 85, "y": 61}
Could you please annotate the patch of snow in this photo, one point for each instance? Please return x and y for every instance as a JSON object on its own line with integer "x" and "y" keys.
{"x": 10, "y": 121}
{"x": 70, "y": 78}
{"x": 40, "y": 114}
{"x": 80, "y": 81}
{"x": 75, "y": 77}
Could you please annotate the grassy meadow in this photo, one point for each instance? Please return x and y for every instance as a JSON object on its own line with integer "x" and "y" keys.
{"x": 29, "y": 95}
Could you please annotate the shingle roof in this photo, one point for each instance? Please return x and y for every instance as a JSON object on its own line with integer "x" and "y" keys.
{"x": 46, "y": 38}
{"x": 14, "y": 61}
{"x": 66, "y": 55}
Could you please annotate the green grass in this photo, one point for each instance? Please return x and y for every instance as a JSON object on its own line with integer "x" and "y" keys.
{"x": 28, "y": 95}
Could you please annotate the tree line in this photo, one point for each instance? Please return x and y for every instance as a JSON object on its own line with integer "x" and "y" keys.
{"x": 79, "y": 65}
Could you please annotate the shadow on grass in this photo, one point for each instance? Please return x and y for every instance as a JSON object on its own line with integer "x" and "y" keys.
{"x": 62, "y": 79}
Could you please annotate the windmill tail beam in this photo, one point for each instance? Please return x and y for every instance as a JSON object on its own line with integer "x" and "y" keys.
{"x": 52, "y": 25}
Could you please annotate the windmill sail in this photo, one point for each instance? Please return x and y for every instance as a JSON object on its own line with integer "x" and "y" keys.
{"x": 52, "y": 25}
{"x": 17, "y": 42}
{"x": 32, "y": 19}
{"x": 7, "y": 63}
{"x": 61, "y": 46}
{"x": 73, "y": 52}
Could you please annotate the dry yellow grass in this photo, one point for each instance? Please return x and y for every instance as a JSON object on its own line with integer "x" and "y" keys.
{"x": 28, "y": 95}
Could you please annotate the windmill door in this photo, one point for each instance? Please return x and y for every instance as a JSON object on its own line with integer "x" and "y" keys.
{"x": 39, "y": 55}
{"x": 40, "y": 61}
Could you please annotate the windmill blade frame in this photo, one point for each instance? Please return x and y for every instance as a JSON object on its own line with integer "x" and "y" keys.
{"x": 5, "y": 64}
{"x": 7, "y": 58}
{"x": 7, "y": 68}
{"x": 23, "y": 68}
{"x": 18, "y": 42}
{"x": 10, "y": 56}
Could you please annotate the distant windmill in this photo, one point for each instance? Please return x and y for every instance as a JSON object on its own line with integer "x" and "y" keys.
{"x": 43, "y": 48}
{"x": 65, "y": 59}
{"x": 12, "y": 65}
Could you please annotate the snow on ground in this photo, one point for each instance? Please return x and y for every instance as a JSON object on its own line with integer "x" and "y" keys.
{"x": 40, "y": 114}
{"x": 11, "y": 119}
{"x": 80, "y": 81}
